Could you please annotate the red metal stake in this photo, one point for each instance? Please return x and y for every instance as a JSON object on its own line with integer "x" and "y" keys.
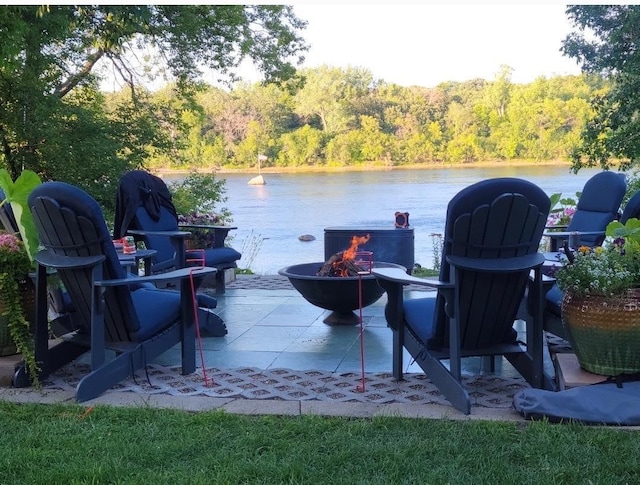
{"x": 368, "y": 255}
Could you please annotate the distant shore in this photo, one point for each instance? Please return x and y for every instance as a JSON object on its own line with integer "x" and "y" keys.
{"x": 365, "y": 168}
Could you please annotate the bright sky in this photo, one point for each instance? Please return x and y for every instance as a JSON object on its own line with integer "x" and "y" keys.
{"x": 426, "y": 44}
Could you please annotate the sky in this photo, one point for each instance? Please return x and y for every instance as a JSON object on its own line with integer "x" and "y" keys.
{"x": 426, "y": 44}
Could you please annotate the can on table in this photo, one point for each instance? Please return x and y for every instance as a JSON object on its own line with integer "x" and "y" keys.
{"x": 128, "y": 245}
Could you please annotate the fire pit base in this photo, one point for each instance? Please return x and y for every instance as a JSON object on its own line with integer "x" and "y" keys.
{"x": 336, "y": 319}
{"x": 338, "y": 294}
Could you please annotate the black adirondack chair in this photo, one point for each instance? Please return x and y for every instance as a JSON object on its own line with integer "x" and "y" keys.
{"x": 490, "y": 257}
{"x": 145, "y": 210}
{"x": 118, "y": 312}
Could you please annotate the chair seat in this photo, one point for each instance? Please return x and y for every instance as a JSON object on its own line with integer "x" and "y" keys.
{"x": 418, "y": 313}
{"x": 215, "y": 256}
{"x": 554, "y": 300}
{"x": 156, "y": 309}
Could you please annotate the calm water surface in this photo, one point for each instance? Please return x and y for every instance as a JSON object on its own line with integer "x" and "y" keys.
{"x": 271, "y": 217}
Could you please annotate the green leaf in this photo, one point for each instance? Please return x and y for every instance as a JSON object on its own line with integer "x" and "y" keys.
{"x": 17, "y": 194}
{"x": 555, "y": 198}
{"x": 630, "y": 230}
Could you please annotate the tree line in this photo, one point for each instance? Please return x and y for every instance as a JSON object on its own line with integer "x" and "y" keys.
{"x": 329, "y": 117}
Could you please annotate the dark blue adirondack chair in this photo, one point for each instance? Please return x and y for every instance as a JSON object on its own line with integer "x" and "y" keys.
{"x": 490, "y": 248}
{"x": 553, "y": 298}
{"x": 144, "y": 209}
{"x": 61, "y": 310}
{"x": 126, "y": 315}
{"x": 597, "y": 206}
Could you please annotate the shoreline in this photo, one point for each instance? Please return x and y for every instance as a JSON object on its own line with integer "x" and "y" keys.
{"x": 359, "y": 168}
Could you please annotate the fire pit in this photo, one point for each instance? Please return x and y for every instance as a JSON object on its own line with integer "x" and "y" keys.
{"x": 336, "y": 293}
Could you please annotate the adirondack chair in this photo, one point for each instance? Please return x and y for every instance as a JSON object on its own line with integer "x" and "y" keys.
{"x": 145, "y": 210}
{"x": 597, "y": 206}
{"x": 553, "y": 298}
{"x": 120, "y": 313}
{"x": 492, "y": 232}
{"x": 61, "y": 311}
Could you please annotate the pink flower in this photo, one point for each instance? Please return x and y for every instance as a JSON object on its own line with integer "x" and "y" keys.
{"x": 10, "y": 243}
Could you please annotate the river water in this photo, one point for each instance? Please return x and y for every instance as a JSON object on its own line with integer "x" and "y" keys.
{"x": 271, "y": 217}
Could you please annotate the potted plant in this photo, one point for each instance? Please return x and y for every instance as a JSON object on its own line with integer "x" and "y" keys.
{"x": 601, "y": 304}
{"x": 17, "y": 291}
{"x": 17, "y": 301}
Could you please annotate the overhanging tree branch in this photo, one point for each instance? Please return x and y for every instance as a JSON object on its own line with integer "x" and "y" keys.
{"x": 76, "y": 78}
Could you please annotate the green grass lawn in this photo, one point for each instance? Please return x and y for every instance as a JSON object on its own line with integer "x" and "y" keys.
{"x": 65, "y": 444}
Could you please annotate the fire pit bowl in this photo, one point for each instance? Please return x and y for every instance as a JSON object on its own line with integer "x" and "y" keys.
{"x": 335, "y": 293}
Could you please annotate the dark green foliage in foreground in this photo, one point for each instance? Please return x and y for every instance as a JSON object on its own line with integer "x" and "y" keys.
{"x": 66, "y": 445}
{"x": 55, "y": 121}
{"x": 606, "y": 44}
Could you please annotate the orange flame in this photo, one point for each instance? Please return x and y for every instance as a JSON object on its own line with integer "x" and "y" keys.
{"x": 349, "y": 254}
{"x": 356, "y": 241}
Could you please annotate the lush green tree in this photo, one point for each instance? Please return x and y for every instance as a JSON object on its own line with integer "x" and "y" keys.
{"x": 51, "y": 118}
{"x": 300, "y": 147}
{"x": 328, "y": 94}
{"x": 607, "y": 45}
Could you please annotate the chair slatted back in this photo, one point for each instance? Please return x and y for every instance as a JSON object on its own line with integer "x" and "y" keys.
{"x": 143, "y": 202}
{"x": 598, "y": 205}
{"x": 70, "y": 223}
{"x": 494, "y": 219}
{"x": 166, "y": 255}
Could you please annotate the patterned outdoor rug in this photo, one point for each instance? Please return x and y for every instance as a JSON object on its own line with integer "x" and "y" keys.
{"x": 292, "y": 385}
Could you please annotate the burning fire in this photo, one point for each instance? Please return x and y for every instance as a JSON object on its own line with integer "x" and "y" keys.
{"x": 344, "y": 263}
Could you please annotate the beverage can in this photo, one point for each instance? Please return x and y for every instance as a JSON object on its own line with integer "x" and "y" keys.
{"x": 128, "y": 245}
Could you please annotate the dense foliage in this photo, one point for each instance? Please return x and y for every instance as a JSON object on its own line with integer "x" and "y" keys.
{"x": 55, "y": 121}
{"x": 345, "y": 117}
{"x": 607, "y": 45}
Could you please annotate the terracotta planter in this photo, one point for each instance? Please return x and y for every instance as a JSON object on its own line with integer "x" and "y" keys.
{"x": 604, "y": 332}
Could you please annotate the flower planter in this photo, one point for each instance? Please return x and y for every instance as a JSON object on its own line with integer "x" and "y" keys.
{"x": 604, "y": 332}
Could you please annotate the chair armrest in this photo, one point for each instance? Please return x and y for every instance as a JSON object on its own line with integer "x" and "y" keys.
{"x": 171, "y": 275}
{"x": 566, "y": 234}
{"x": 207, "y": 226}
{"x": 399, "y": 276}
{"x": 174, "y": 234}
{"x": 59, "y": 261}
{"x": 514, "y": 264}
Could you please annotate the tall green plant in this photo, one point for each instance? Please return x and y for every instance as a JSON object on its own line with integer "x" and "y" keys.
{"x": 200, "y": 193}
{"x": 17, "y": 194}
